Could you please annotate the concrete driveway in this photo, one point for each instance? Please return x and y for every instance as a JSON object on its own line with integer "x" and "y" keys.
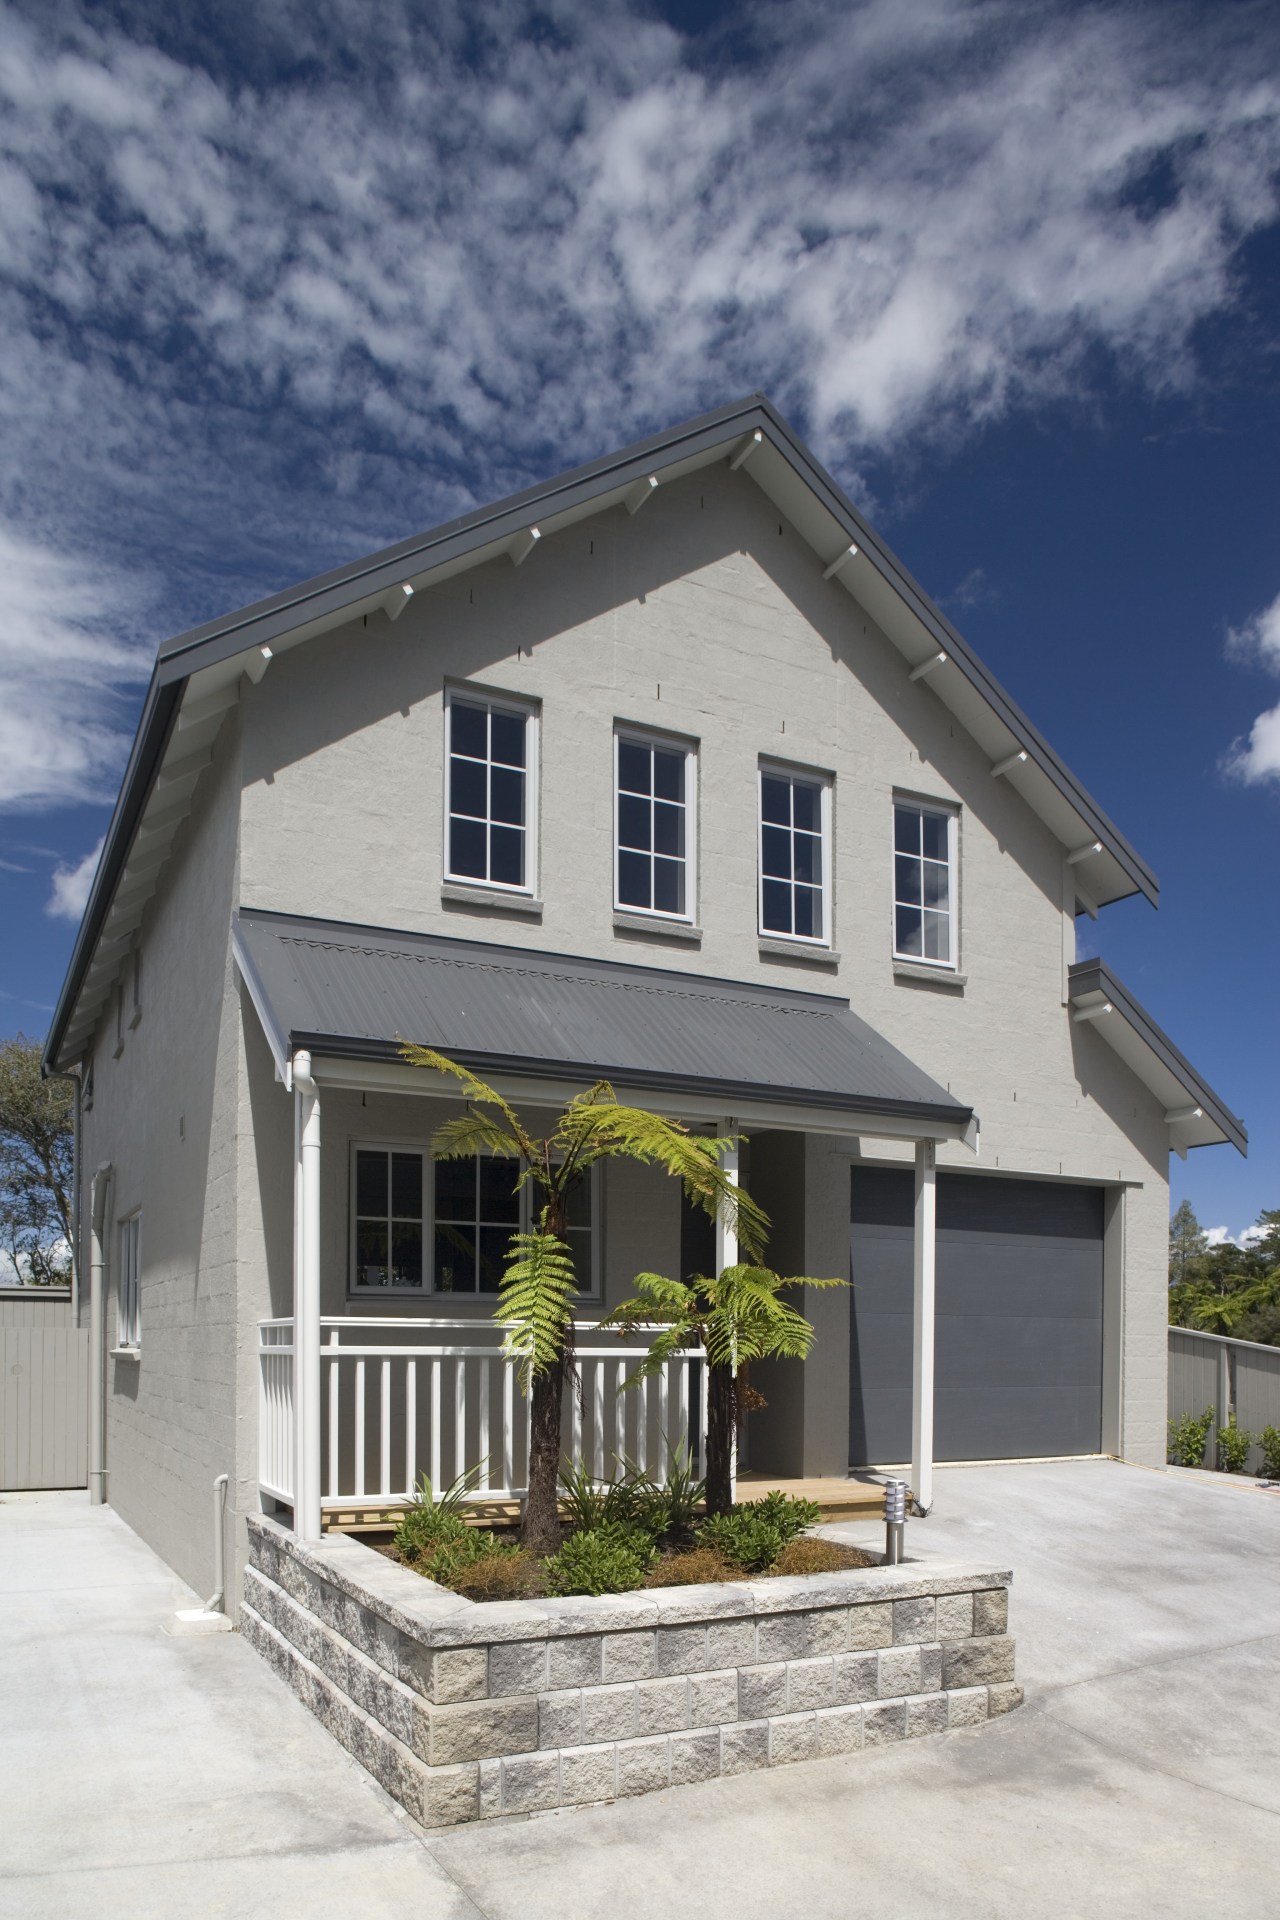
{"x": 146, "y": 1775}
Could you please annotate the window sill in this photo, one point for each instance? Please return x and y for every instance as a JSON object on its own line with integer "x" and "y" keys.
{"x": 126, "y": 1353}
{"x": 454, "y": 893}
{"x": 774, "y": 948}
{"x": 934, "y": 976}
{"x": 653, "y": 923}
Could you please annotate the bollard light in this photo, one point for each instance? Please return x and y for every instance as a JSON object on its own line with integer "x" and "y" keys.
{"x": 895, "y": 1517}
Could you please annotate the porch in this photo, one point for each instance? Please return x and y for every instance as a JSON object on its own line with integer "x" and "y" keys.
{"x": 357, "y": 1401}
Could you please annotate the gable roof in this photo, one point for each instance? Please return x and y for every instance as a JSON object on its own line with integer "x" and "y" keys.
{"x": 198, "y": 673}
{"x": 350, "y": 992}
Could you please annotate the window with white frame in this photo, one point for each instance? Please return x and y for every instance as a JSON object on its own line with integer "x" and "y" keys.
{"x": 468, "y": 1209}
{"x": 653, "y": 839}
{"x": 491, "y": 768}
{"x": 129, "y": 1285}
{"x": 795, "y": 855}
{"x": 924, "y": 883}
{"x": 388, "y": 1192}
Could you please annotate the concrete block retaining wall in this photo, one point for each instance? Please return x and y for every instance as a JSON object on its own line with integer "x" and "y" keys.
{"x": 464, "y": 1711}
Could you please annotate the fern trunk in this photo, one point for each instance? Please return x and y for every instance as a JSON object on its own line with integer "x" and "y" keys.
{"x": 540, "y": 1530}
{"x": 721, "y": 1414}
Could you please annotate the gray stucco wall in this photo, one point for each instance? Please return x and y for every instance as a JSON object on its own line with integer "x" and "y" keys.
{"x": 705, "y": 617}
{"x": 164, "y": 1116}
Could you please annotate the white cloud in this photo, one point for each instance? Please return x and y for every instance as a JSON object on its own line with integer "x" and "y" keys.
{"x": 255, "y": 324}
{"x": 1257, "y": 643}
{"x": 1223, "y": 1236}
{"x": 71, "y": 887}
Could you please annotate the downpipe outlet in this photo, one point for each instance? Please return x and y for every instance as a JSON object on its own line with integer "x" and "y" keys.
{"x": 895, "y": 1522}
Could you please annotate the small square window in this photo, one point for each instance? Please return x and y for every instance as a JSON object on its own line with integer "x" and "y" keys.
{"x": 924, "y": 883}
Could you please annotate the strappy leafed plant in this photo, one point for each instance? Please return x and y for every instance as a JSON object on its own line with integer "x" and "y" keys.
{"x": 737, "y": 1317}
{"x": 537, "y": 1294}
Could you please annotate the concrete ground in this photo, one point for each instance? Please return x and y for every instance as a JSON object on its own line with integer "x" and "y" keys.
{"x": 144, "y": 1775}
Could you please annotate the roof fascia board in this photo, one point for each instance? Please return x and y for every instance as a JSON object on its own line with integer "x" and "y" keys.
{"x": 159, "y": 715}
{"x": 1095, "y": 976}
{"x": 262, "y": 1006}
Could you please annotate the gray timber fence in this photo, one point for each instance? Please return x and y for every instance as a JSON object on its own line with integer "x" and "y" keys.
{"x": 1231, "y": 1376}
{"x": 44, "y": 1390}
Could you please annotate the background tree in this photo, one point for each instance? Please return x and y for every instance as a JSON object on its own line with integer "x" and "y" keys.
{"x": 1234, "y": 1289}
{"x": 538, "y": 1290}
{"x": 1187, "y": 1241}
{"x": 738, "y": 1317}
{"x": 37, "y": 1152}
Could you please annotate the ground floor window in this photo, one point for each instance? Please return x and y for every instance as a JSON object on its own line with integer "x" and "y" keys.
{"x": 387, "y": 1217}
{"x": 128, "y": 1297}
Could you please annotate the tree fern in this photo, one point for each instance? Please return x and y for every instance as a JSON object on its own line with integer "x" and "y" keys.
{"x": 536, "y": 1299}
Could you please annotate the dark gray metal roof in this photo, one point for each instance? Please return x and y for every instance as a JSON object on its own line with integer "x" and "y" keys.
{"x": 355, "y": 992}
{"x": 1095, "y": 976}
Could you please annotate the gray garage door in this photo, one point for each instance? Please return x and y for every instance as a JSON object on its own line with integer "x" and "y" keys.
{"x": 1018, "y": 1364}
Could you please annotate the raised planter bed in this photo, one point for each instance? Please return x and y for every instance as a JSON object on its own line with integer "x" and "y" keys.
{"x": 466, "y": 1711}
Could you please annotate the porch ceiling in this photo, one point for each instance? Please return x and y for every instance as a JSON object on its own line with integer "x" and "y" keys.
{"x": 352, "y": 993}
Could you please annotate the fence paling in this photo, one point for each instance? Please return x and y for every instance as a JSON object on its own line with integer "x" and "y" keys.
{"x": 1231, "y": 1376}
{"x": 472, "y": 1422}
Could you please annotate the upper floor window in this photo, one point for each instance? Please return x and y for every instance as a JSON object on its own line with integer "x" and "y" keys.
{"x": 129, "y": 1289}
{"x": 795, "y": 855}
{"x": 924, "y": 847}
{"x": 491, "y": 749}
{"x": 654, "y": 842}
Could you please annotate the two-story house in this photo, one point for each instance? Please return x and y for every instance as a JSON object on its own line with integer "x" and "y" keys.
{"x": 665, "y": 772}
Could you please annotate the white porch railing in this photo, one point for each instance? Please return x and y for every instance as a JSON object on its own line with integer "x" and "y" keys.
{"x": 399, "y": 1398}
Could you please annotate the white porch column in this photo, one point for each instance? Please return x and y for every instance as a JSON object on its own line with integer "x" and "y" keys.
{"x": 923, "y": 1325}
{"x": 727, "y": 1256}
{"x": 306, "y": 1301}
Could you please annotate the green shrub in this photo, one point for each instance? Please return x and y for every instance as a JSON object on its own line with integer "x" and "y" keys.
{"x": 1269, "y": 1441}
{"x": 1233, "y": 1447}
{"x": 747, "y": 1537}
{"x": 788, "y": 1514}
{"x": 1189, "y": 1437}
{"x": 605, "y": 1559}
{"x": 585, "y": 1503}
{"x": 670, "y": 1511}
{"x": 435, "y": 1518}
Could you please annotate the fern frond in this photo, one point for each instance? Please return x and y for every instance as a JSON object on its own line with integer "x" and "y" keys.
{"x": 599, "y": 1128}
{"x": 473, "y": 1087}
{"x": 469, "y": 1133}
{"x": 536, "y": 1299}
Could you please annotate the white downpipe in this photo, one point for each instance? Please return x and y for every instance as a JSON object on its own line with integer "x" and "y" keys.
{"x": 100, "y": 1211}
{"x": 216, "y": 1603}
{"x": 923, "y": 1324}
{"x": 727, "y": 1256}
{"x": 306, "y": 1301}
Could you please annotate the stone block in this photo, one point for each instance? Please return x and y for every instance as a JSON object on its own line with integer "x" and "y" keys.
{"x": 450, "y": 1796}
{"x": 662, "y": 1705}
{"x": 643, "y": 1765}
{"x": 713, "y": 1698}
{"x": 681, "y": 1649}
{"x": 967, "y": 1707}
{"x": 927, "y": 1713}
{"x": 991, "y": 1611}
{"x": 871, "y": 1626}
{"x": 784, "y": 1636}
{"x": 744, "y": 1747}
{"x": 899, "y": 1672}
{"x": 576, "y": 1662}
{"x": 884, "y": 1722}
{"x": 560, "y": 1718}
{"x": 914, "y": 1621}
{"x": 694, "y": 1756}
{"x": 829, "y": 1630}
{"x": 931, "y": 1669}
{"x": 518, "y": 1666}
{"x": 955, "y": 1616}
{"x": 810, "y": 1683}
{"x": 731, "y": 1643}
{"x": 490, "y": 1788}
{"x": 476, "y": 1730}
{"x": 386, "y": 1649}
{"x": 531, "y": 1783}
{"x": 837, "y": 1730}
{"x": 762, "y": 1691}
{"x": 973, "y": 1663}
{"x": 855, "y": 1676}
{"x": 629, "y": 1656}
{"x": 587, "y": 1773}
{"x": 1003, "y": 1699}
{"x": 414, "y": 1664}
{"x": 608, "y": 1713}
{"x": 792, "y": 1736}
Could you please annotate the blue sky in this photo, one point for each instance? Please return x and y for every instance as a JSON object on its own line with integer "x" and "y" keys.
{"x": 276, "y": 289}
